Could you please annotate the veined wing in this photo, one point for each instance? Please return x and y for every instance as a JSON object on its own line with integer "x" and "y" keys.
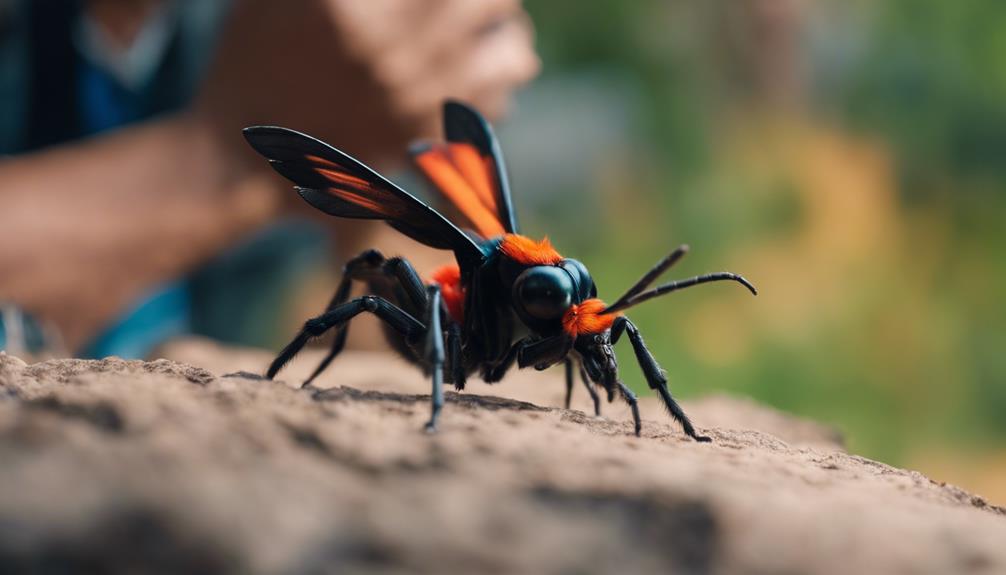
{"x": 338, "y": 184}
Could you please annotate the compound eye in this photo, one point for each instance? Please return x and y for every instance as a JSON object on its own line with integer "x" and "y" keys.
{"x": 545, "y": 292}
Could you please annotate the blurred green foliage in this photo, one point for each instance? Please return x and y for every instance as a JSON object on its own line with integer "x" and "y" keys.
{"x": 847, "y": 157}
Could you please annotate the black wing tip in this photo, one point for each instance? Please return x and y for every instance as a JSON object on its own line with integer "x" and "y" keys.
{"x": 277, "y": 142}
{"x": 452, "y": 104}
{"x": 457, "y": 109}
{"x": 253, "y": 133}
{"x": 266, "y": 129}
{"x": 261, "y": 137}
{"x": 462, "y": 122}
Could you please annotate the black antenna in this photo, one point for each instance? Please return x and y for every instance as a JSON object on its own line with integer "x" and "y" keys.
{"x": 655, "y": 272}
{"x": 676, "y": 285}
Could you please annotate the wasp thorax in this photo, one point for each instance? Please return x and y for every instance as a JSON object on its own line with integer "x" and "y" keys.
{"x": 544, "y": 292}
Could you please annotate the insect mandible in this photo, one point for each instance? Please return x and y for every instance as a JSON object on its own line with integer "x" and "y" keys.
{"x": 507, "y": 298}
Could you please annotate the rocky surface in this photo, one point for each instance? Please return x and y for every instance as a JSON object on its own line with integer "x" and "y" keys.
{"x": 127, "y": 466}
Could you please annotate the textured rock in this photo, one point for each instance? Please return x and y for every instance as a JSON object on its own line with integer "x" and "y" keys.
{"x": 129, "y": 466}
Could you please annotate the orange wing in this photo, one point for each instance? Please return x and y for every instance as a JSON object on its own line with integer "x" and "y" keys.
{"x": 469, "y": 170}
{"x": 465, "y": 178}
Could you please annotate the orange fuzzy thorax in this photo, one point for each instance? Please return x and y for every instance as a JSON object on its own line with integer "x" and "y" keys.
{"x": 586, "y": 318}
{"x": 448, "y": 277}
{"x": 524, "y": 250}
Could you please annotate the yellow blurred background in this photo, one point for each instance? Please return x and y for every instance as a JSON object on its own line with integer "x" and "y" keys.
{"x": 849, "y": 157}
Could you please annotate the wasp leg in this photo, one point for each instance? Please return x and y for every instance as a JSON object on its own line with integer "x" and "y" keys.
{"x": 454, "y": 356}
{"x": 358, "y": 268}
{"x": 496, "y": 372}
{"x": 569, "y": 381}
{"x": 401, "y": 321}
{"x": 590, "y": 389}
{"x": 434, "y": 353}
{"x": 654, "y": 375}
{"x": 367, "y": 259}
{"x": 592, "y": 369}
{"x": 570, "y": 378}
{"x": 630, "y": 398}
{"x": 541, "y": 353}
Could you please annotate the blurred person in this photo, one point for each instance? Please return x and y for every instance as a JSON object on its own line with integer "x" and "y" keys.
{"x": 130, "y": 171}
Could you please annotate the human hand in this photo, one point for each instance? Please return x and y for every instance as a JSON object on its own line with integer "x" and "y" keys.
{"x": 365, "y": 76}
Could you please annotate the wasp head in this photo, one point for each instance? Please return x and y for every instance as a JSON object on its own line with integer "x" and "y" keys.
{"x": 543, "y": 294}
{"x": 598, "y": 358}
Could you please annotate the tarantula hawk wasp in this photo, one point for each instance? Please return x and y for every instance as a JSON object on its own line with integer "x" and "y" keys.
{"x": 507, "y": 299}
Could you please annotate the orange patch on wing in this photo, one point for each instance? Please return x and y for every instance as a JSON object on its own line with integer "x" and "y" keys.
{"x": 448, "y": 277}
{"x": 524, "y": 250}
{"x": 475, "y": 170}
{"x": 452, "y": 181}
{"x": 586, "y": 318}
{"x": 319, "y": 160}
{"x": 362, "y": 201}
{"x": 342, "y": 178}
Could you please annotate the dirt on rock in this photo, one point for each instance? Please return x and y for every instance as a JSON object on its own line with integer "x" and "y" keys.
{"x": 161, "y": 467}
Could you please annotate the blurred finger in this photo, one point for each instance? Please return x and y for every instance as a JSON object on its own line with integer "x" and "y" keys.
{"x": 376, "y": 23}
{"x": 502, "y": 60}
{"x": 446, "y": 33}
{"x": 465, "y": 18}
{"x": 505, "y": 59}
